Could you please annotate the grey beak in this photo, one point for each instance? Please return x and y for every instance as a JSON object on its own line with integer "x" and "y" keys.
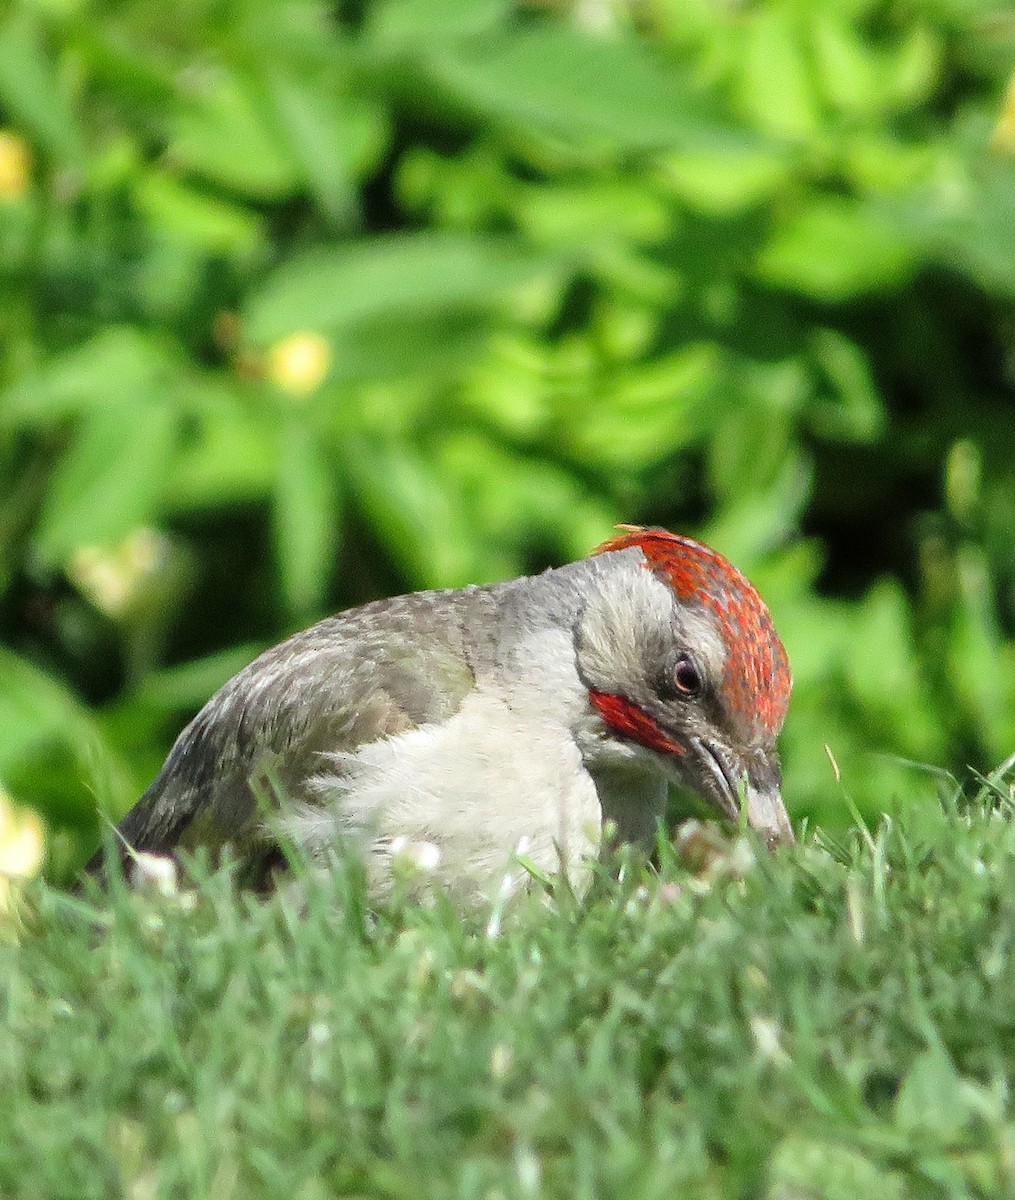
{"x": 767, "y": 814}
{"x": 734, "y": 791}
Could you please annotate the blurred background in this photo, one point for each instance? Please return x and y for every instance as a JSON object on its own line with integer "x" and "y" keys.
{"x": 305, "y": 304}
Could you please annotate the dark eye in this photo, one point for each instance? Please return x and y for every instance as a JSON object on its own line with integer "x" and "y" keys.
{"x": 686, "y": 677}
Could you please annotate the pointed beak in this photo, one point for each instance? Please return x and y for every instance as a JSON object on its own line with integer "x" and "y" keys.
{"x": 767, "y": 814}
{"x": 753, "y": 790}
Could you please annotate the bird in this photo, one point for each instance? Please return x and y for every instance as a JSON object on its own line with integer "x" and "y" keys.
{"x": 532, "y": 721}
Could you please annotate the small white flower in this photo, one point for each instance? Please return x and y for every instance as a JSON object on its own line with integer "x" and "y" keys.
{"x": 501, "y": 1059}
{"x": 156, "y": 873}
{"x": 527, "y": 1169}
{"x": 115, "y": 577}
{"x": 511, "y": 882}
{"x": 319, "y": 1033}
{"x": 422, "y": 856}
{"x": 766, "y": 1032}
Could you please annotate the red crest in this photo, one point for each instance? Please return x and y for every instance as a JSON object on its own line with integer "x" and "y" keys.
{"x": 757, "y": 679}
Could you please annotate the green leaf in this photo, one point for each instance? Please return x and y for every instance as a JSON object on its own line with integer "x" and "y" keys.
{"x": 853, "y": 411}
{"x": 835, "y": 249}
{"x": 118, "y": 362}
{"x": 976, "y": 227}
{"x": 583, "y": 87}
{"x": 406, "y": 22}
{"x": 514, "y": 498}
{"x": 810, "y": 1168}
{"x": 227, "y": 134}
{"x": 181, "y": 211}
{"x": 652, "y": 411}
{"x": 326, "y": 135}
{"x": 306, "y": 518}
{"x": 596, "y": 211}
{"x": 30, "y": 91}
{"x": 230, "y": 453}
{"x": 411, "y": 506}
{"x": 883, "y": 671}
{"x": 32, "y": 707}
{"x": 758, "y": 518}
{"x": 109, "y": 480}
{"x": 724, "y": 182}
{"x": 397, "y": 276}
{"x": 975, "y": 650}
{"x": 806, "y": 1167}
{"x": 416, "y": 347}
{"x": 38, "y": 713}
{"x": 775, "y": 82}
{"x": 847, "y": 68}
{"x": 934, "y": 1098}
{"x": 128, "y": 69}
{"x": 188, "y": 685}
{"x": 865, "y": 80}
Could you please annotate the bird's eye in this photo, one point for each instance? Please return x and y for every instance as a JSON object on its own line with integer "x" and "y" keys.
{"x": 687, "y": 677}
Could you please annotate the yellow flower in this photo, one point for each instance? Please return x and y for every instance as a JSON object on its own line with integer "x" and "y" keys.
{"x": 299, "y": 364}
{"x": 1003, "y": 137}
{"x": 22, "y": 848}
{"x": 15, "y": 165}
{"x": 21, "y": 840}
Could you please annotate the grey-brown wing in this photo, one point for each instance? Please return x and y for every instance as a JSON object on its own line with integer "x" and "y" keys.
{"x": 364, "y": 675}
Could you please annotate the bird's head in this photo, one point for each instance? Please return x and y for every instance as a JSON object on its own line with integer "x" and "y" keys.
{"x": 685, "y": 670}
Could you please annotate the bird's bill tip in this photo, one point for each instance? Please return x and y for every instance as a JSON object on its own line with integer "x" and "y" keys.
{"x": 743, "y": 790}
{"x": 767, "y": 816}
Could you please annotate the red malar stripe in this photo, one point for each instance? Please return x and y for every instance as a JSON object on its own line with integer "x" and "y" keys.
{"x": 629, "y": 720}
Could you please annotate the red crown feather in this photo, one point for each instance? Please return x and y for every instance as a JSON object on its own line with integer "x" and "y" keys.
{"x": 757, "y": 678}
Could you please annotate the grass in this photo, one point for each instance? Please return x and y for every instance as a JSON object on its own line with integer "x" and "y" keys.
{"x": 833, "y": 1022}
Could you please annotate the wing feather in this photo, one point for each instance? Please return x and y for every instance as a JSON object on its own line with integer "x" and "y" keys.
{"x": 350, "y": 680}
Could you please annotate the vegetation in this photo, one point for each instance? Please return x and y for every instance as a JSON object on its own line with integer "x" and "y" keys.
{"x": 832, "y": 1023}
{"x": 306, "y": 304}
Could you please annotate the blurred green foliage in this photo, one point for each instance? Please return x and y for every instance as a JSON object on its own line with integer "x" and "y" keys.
{"x": 303, "y": 304}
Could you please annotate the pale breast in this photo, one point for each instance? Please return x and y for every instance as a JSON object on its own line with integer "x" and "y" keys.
{"x": 482, "y": 790}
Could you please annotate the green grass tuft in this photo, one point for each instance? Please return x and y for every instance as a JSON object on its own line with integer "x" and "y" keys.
{"x": 835, "y": 1021}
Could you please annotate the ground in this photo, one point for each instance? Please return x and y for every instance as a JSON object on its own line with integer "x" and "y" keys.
{"x": 832, "y": 1021}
